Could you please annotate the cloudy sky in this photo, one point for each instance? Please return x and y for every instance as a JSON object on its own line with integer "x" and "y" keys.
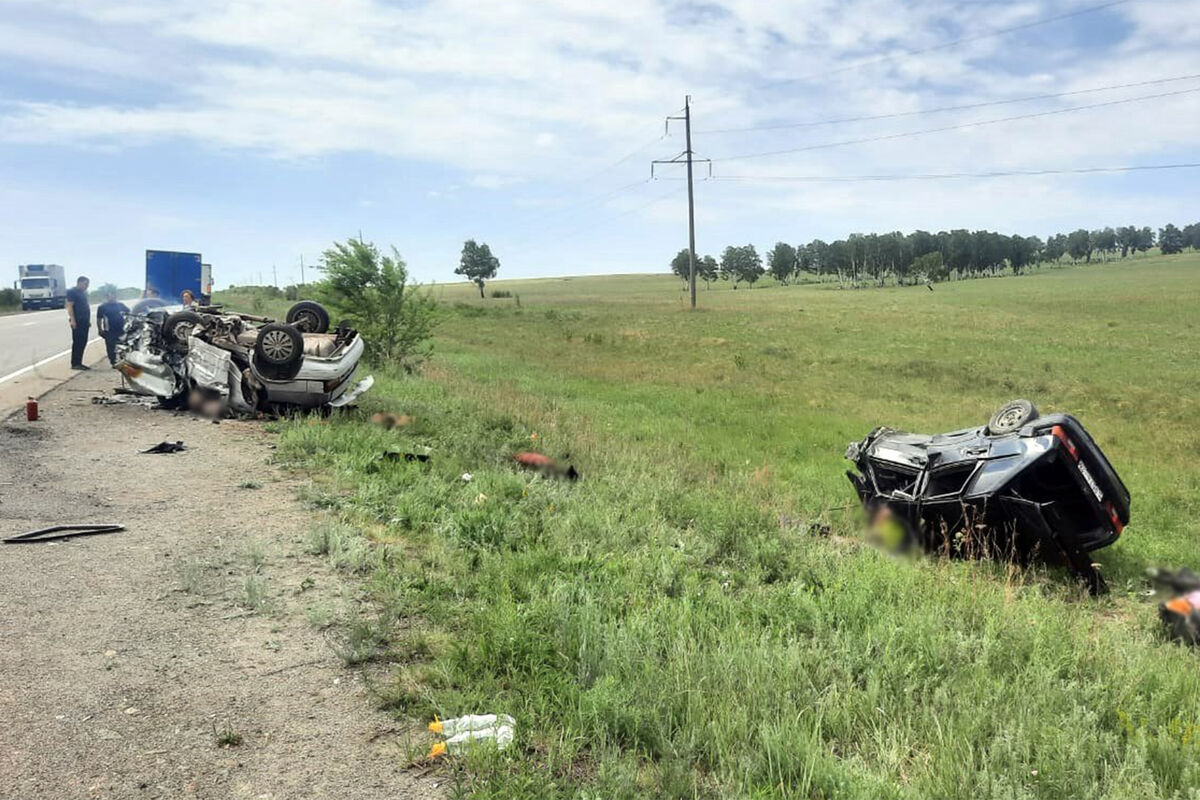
{"x": 258, "y": 131}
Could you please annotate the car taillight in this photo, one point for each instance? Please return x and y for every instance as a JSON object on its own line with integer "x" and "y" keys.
{"x": 1061, "y": 435}
{"x": 1118, "y": 526}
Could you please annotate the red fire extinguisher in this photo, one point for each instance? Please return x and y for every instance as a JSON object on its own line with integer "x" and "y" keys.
{"x": 31, "y": 411}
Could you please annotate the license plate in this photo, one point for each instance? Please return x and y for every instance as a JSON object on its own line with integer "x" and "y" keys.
{"x": 1087, "y": 476}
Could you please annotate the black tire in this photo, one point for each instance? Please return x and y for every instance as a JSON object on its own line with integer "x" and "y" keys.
{"x": 278, "y": 351}
{"x": 142, "y": 306}
{"x": 178, "y": 327}
{"x": 1011, "y": 417}
{"x": 308, "y": 317}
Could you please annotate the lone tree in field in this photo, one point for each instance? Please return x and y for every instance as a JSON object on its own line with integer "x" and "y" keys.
{"x": 477, "y": 264}
{"x": 1171, "y": 240}
{"x": 708, "y": 270}
{"x": 782, "y": 262}
{"x": 1079, "y": 245}
{"x": 373, "y": 292}
{"x": 741, "y": 264}
{"x": 681, "y": 265}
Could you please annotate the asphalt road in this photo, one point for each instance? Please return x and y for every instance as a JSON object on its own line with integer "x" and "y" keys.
{"x": 32, "y": 337}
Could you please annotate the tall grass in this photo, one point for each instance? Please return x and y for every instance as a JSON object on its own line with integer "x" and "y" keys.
{"x": 670, "y": 626}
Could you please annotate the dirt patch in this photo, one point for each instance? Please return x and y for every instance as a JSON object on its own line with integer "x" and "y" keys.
{"x": 178, "y": 658}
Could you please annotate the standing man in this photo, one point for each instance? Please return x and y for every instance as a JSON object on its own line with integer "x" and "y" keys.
{"x": 79, "y": 314}
{"x": 110, "y": 320}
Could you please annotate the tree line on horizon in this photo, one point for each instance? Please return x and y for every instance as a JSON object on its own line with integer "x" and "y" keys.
{"x": 924, "y": 257}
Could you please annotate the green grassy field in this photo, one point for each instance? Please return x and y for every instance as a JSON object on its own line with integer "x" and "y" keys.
{"x": 671, "y": 627}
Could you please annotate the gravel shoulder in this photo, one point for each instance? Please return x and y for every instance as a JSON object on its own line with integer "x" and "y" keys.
{"x": 126, "y": 656}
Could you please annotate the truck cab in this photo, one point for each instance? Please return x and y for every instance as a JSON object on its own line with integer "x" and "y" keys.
{"x": 42, "y": 286}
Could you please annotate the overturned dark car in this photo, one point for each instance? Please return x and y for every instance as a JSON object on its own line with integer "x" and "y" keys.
{"x": 221, "y": 363}
{"x": 1020, "y": 486}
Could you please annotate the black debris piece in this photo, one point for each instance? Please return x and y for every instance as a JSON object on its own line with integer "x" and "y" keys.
{"x": 56, "y": 532}
{"x": 167, "y": 447}
{"x": 395, "y": 455}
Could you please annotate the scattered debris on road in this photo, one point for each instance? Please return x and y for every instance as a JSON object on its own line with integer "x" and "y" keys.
{"x": 1020, "y": 486}
{"x": 167, "y": 448}
{"x": 58, "y": 532}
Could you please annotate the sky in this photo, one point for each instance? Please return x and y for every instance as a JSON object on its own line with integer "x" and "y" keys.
{"x": 258, "y": 132}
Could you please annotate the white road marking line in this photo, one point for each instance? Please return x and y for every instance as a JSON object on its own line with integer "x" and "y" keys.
{"x": 27, "y": 324}
{"x": 44, "y": 361}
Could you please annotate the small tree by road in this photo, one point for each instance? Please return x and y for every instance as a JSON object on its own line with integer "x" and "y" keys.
{"x": 477, "y": 264}
{"x": 373, "y": 292}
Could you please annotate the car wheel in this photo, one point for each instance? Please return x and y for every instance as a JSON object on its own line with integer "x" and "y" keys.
{"x": 1011, "y": 417}
{"x": 278, "y": 351}
{"x": 178, "y": 327}
{"x": 308, "y": 317}
{"x": 142, "y": 306}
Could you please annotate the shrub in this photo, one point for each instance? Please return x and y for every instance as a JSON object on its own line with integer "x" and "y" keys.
{"x": 374, "y": 293}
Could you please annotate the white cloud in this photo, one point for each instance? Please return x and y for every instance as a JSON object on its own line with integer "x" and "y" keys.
{"x": 523, "y": 98}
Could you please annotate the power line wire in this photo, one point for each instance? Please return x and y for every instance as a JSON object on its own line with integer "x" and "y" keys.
{"x": 959, "y": 126}
{"x": 946, "y": 45}
{"x": 967, "y": 106}
{"x": 946, "y": 175}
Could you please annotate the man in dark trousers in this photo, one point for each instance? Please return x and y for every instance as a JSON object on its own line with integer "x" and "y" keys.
{"x": 110, "y": 320}
{"x": 79, "y": 314}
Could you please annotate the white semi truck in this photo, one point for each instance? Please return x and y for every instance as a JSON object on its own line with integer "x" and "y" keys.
{"x": 42, "y": 286}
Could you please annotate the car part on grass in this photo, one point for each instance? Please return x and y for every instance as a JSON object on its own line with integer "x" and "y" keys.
{"x": 167, "y": 448}
{"x": 240, "y": 363}
{"x": 1041, "y": 488}
{"x": 546, "y": 466}
{"x": 57, "y": 532}
{"x": 398, "y": 455}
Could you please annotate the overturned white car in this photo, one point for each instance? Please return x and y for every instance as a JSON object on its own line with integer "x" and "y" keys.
{"x": 218, "y": 363}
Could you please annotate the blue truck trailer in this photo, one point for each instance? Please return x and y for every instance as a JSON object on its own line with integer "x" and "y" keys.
{"x": 169, "y": 273}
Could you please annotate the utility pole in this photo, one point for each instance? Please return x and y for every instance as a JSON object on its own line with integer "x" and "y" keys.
{"x": 274, "y": 275}
{"x": 687, "y": 156}
{"x": 301, "y": 271}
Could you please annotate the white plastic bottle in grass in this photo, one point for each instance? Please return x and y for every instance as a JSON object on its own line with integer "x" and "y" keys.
{"x": 472, "y": 729}
{"x": 471, "y": 722}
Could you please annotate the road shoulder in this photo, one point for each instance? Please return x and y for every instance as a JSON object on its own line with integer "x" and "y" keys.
{"x": 183, "y": 657}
